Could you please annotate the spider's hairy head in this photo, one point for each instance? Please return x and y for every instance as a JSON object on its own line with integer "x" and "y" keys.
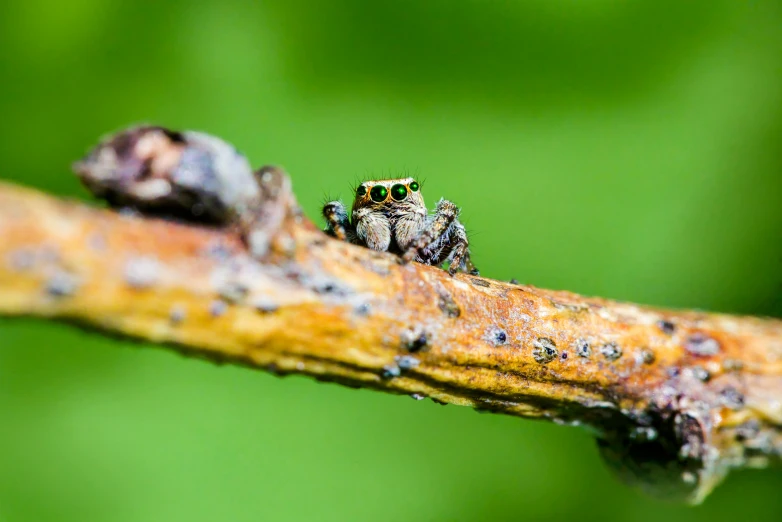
{"x": 388, "y": 194}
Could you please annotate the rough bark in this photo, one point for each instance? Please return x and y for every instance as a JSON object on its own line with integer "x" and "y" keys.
{"x": 676, "y": 398}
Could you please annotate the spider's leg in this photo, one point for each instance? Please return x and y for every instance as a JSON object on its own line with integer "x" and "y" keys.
{"x": 458, "y": 249}
{"x": 444, "y": 215}
{"x": 460, "y": 252}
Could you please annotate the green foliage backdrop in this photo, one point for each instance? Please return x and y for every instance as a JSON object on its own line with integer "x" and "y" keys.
{"x": 626, "y": 149}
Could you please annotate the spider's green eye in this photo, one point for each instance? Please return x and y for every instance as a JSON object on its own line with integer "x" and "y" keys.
{"x": 414, "y": 186}
{"x": 398, "y": 192}
{"x": 361, "y": 191}
{"x": 378, "y": 193}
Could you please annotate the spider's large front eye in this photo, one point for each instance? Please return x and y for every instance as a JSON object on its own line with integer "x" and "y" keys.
{"x": 414, "y": 186}
{"x": 398, "y": 192}
{"x": 378, "y": 193}
{"x": 361, "y": 191}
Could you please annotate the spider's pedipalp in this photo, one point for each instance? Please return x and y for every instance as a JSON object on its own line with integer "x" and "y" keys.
{"x": 337, "y": 222}
{"x": 373, "y": 228}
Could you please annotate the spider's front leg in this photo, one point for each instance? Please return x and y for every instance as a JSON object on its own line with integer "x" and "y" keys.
{"x": 431, "y": 237}
{"x": 337, "y": 222}
{"x": 459, "y": 251}
{"x": 443, "y": 239}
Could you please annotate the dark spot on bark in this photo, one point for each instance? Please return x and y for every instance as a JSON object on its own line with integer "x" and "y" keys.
{"x": 702, "y": 345}
{"x": 233, "y": 291}
{"x": 545, "y": 350}
{"x": 731, "y": 398}
{"x": 62, "y": 284}
{"x": 479, "y": 282}
{"x": 390, "y": 371}
{"x": 700, "y": 373}
{"x": 611, "y": 351}
{"x": 673, "y": 372}
{"x": 583, "y": 348}
{"x": 406, "y": 362}
{"x": 363, "y": 309}
{"x": 564, "y": 356}
{"x": 328, "y": 287}
{"x": 496, "y": 336}
{"x": 666, "y": 327}
{"x": 446, "y": 303}
{"x": 294, "y": 273}
{"x": 647, "y": 356}
{"x": 413, "y": 342}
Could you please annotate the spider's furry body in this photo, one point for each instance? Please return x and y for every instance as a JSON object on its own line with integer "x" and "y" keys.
{"x": 390, "y": 215}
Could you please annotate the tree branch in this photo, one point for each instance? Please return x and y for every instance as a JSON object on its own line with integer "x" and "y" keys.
{"x": 676, "y": 399}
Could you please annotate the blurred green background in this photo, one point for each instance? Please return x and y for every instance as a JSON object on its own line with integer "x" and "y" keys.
{"x": 628, "y": 149}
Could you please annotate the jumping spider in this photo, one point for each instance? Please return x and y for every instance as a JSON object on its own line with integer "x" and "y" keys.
{"x": 390, "y": 215}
